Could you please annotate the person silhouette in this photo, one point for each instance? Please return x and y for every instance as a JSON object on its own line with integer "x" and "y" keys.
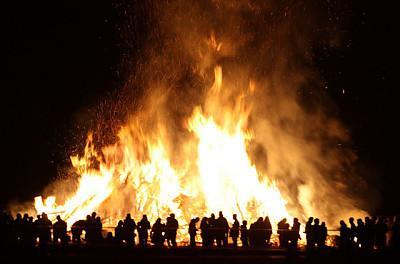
{"x": 172, "y": 226}
{"x": 109, "y": 240}
{"x": 25, "y": 229}
{"x": 234, "y": 232}
{"x": 252, "y": 234}
{"x": 129, "y": 229}
{"x": 345, "y": 236}
{"x": 119, "y": 232}
{"x": 157, "y": 233}
{"x": 143, "y": 227}
{"x": 60, "y": 231}
{"x": 222, "y": 227}
{"x": 308, "y": 231}
{"x": 97, "y": 228}
{"x": 45, "y": 230}
{"x": 30, "y": 233}
{"x": 381, "y": 229}
{"x": 77, "y": 230}
{"x": 368, "y": 234}
{"x": 295, "y": 233}
{"x": 18, "y": 228}
{"x": 193, "y": 231}
{"x": 205, "y": 232}
{"x": 315, "y": 233}
{"x": 89, "y": 229}
{"x": 322, "y": 234}
{"x": 395, "y": 241}
{"x": 258, "y": 233}
{"x": 244, "y": 234}
{"x": 283, "y": 232}
{"x": 360, "y": 233}
{"x": 353, "y": 232}
{"x": 268, "y": 230}
{"x": 6, "y": 232}
{"x": 212, "y": 229}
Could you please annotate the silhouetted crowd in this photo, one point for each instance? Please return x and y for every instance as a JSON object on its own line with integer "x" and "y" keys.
{"x": 372, "y": 233}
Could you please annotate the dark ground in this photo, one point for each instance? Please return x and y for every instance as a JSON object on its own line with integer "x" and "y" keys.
{"x": 107, "y": 254}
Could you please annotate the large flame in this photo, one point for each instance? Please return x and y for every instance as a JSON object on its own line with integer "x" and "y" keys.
{"x": 221, "y": 177}
{"x": 241, "y": 142}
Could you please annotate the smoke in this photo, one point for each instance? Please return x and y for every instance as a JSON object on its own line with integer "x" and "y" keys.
{"x": 297, "y": 141}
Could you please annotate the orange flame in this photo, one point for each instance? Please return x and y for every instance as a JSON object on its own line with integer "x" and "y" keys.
{"x": 222, "y": 176}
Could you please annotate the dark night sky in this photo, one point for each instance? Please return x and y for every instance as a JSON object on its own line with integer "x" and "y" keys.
{"x": 61, "y": 58}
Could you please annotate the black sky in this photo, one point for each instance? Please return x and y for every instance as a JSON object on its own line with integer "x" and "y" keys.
{"x": 62, "y": 57}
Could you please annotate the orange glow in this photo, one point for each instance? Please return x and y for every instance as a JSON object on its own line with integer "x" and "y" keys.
{"x": 222, "y": 177}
